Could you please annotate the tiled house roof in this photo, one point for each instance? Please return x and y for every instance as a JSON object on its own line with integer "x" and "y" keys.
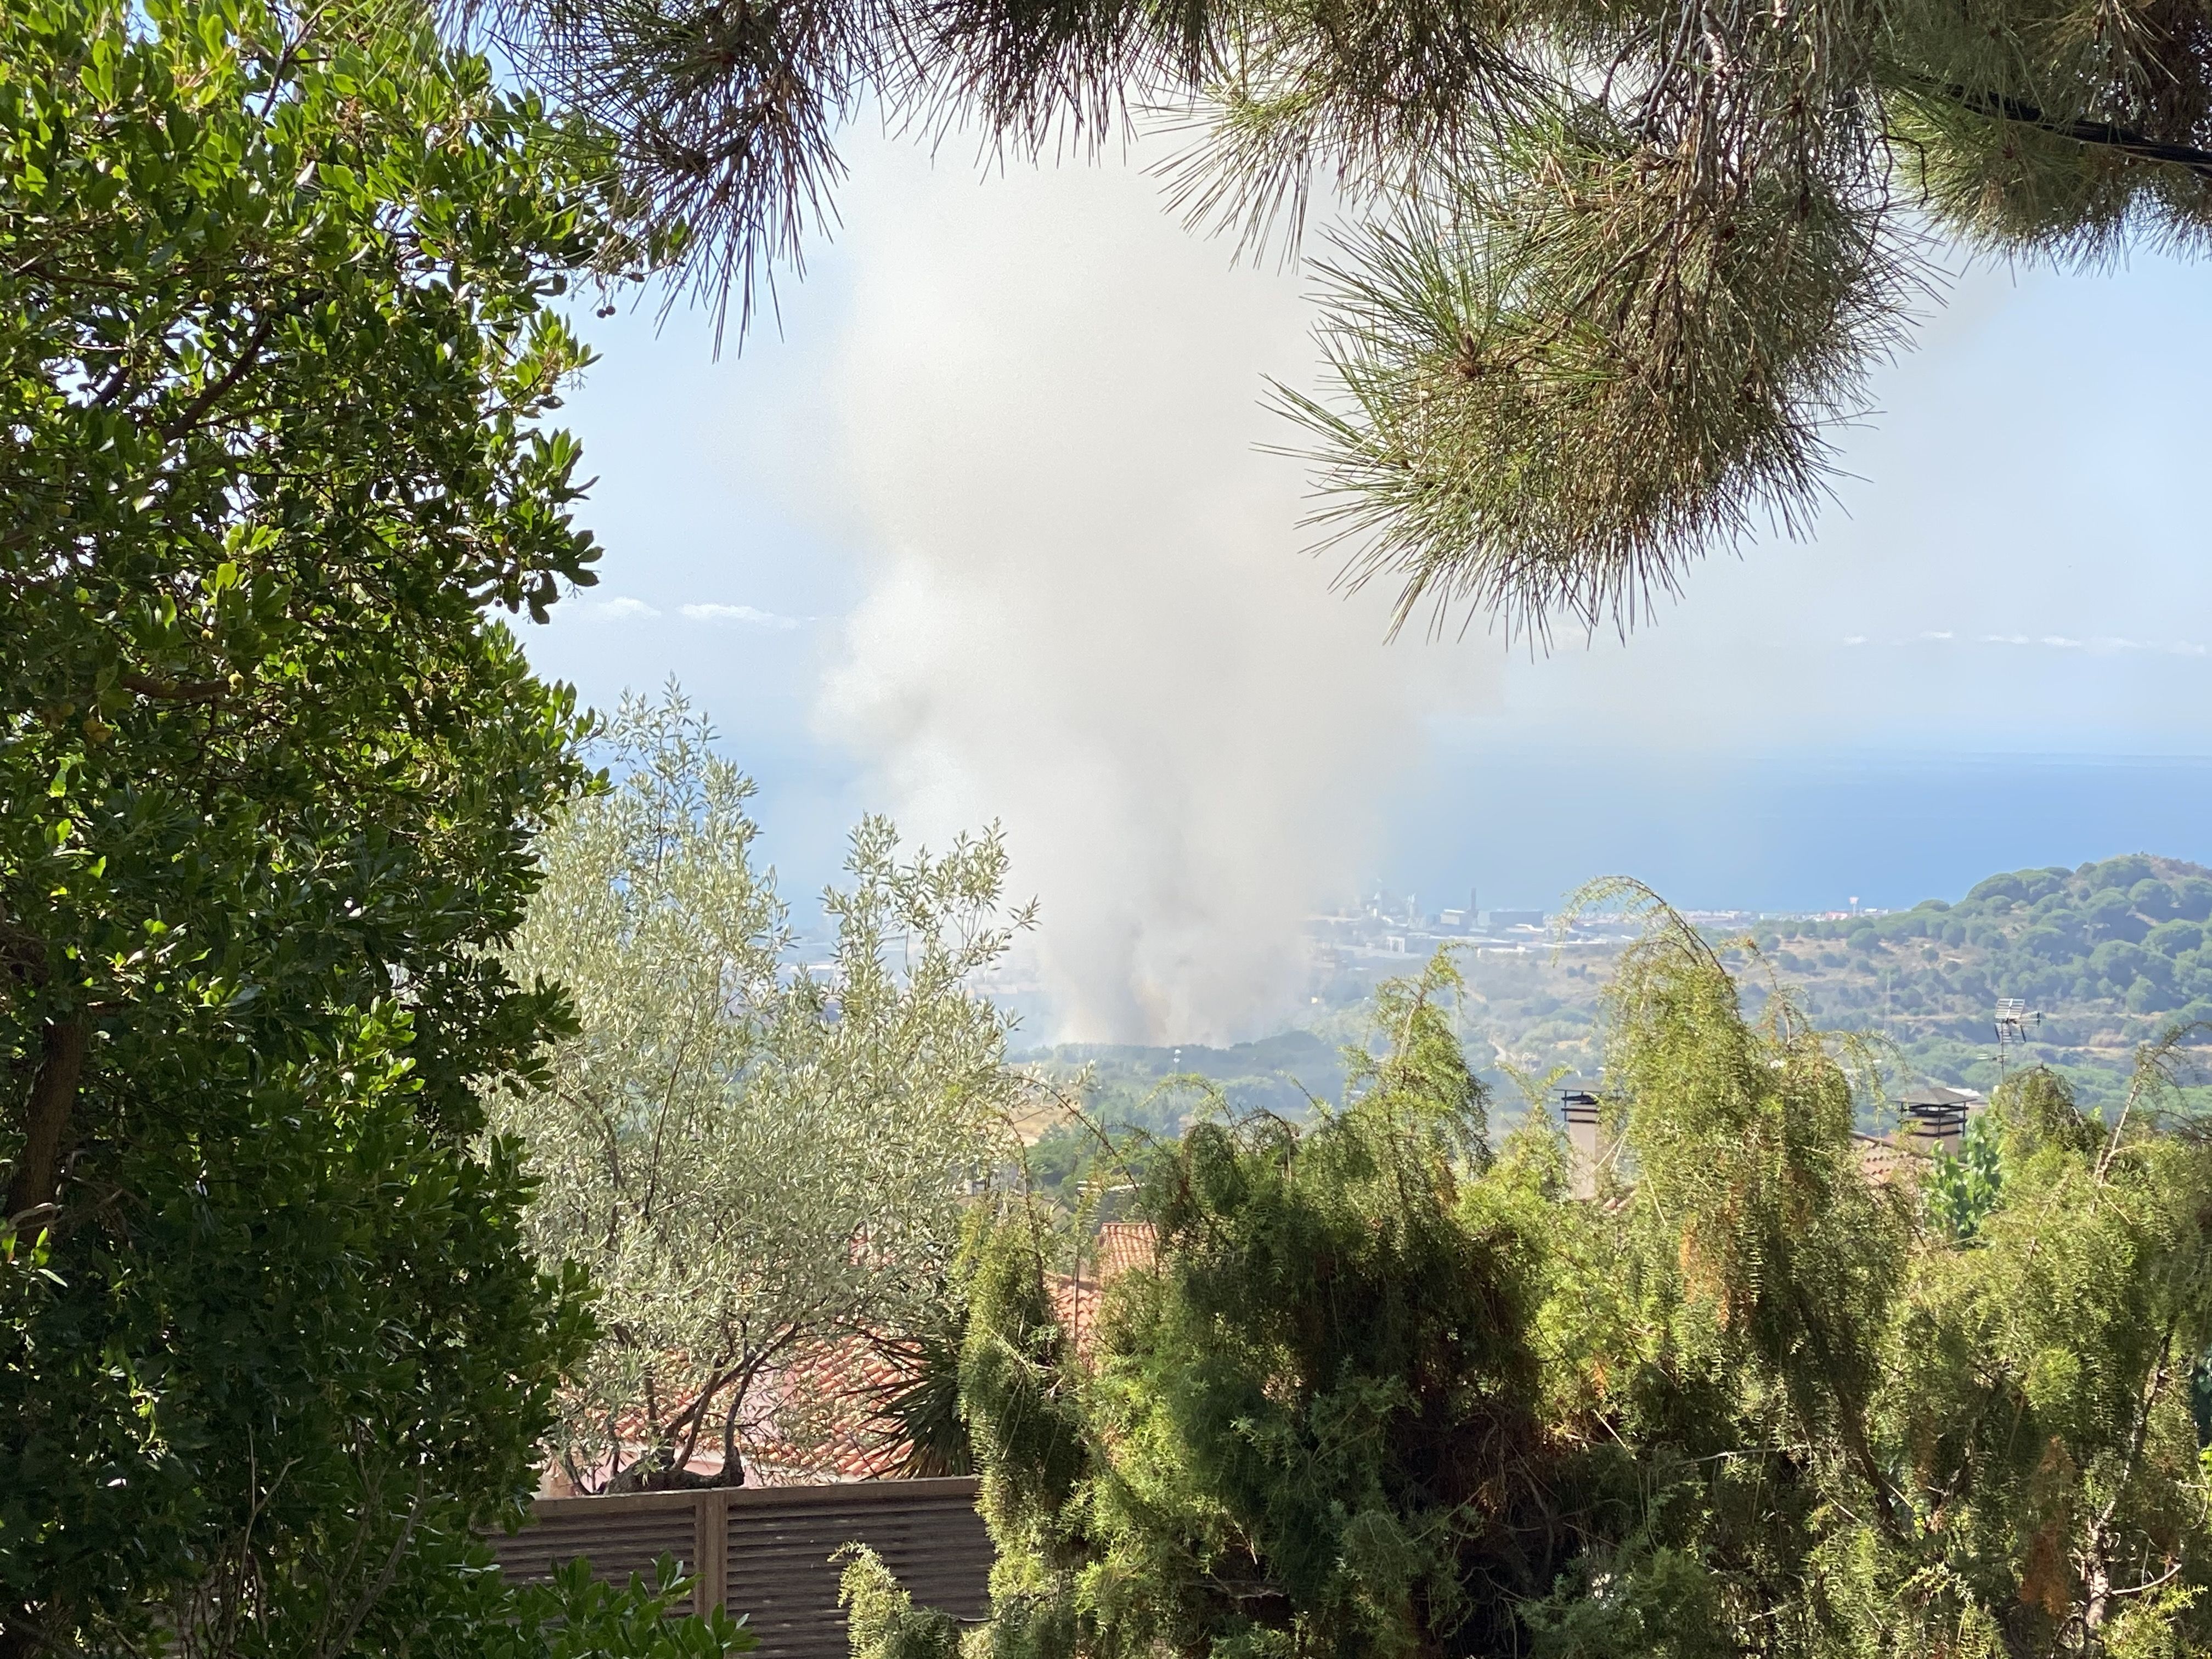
{"x": 1121, "y": 1246}
{"x": 1882, "y": 1159}
{"x": 816, "y": 1418}
{"x": 819, "y": 1417}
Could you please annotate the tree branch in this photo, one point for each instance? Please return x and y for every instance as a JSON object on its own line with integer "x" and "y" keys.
{"x": 53, "y": 1096}
{"x": 173, "y": 690}
{"x": 733, "y": 1468}
{"x": 188, "y": 418}
{"x": 377, "y": 1589}
{"x": 2102, "y": 134}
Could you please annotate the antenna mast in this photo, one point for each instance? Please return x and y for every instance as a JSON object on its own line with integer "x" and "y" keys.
{"x": 2015, "y": 1021}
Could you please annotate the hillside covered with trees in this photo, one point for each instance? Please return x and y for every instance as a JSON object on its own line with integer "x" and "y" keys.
{"x": 2111, "y": 954}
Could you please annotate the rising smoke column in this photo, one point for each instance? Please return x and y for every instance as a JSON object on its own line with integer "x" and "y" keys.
{"x": 1086, "y": 613}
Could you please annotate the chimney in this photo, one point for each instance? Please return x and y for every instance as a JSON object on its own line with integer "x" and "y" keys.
{"x": 1934, "y": 1120}
{"x": 1583, "y": 1150}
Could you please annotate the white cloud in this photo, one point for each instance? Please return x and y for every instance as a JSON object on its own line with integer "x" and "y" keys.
{"x": 740, "y": 613}
{"x": 2103, "y": 644}
{"x": 2164, "y": 648}
{"x": 614, "y": 608}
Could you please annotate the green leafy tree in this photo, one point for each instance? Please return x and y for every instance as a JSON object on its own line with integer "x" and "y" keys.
{"x": 1612, "y": 276}
{"x": 1962, "y": 1188}
{"x": 1388, "y": 1390}
{"x": 576, "y": 1616}
{"x": 276, "y": 336}
{"x": 755, "y": 1160}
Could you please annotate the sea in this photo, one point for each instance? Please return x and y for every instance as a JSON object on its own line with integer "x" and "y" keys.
{"x": 1521, "y": 829}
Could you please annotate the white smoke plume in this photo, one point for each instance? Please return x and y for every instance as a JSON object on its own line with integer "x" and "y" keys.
{"x": 1085, "y": 610}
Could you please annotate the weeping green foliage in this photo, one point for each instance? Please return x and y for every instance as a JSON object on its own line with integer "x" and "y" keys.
{"x": 883, "y": 1617}
{"x": 2053, "y": 1461}
{"x": 1017, "y": 1387}
{"x": 1388, "y": 1390}
{"x": 1778, "y": 1259}
{"x": 1331, "y": 1377}
{"x": 1315, "y": 1422}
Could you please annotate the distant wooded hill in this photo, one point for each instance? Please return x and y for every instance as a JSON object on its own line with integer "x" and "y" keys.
{"x": 1129, "y": 1088}
{"x": 2113, "y": 954}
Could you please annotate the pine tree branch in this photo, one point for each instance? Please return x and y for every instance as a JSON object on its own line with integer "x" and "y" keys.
{"x": 2101, "y": 134}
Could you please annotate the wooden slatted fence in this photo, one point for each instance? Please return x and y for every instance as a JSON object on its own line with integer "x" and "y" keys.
{"x": 764, "y": 1550}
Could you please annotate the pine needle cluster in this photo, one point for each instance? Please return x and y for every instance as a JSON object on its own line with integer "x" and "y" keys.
{"x": 1609, "y": 278}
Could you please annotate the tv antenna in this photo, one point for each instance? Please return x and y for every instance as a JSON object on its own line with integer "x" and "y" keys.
{"x": 2015, "y": 1020}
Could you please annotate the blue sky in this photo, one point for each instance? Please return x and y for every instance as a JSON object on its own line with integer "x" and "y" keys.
{"x": 982, "y": 531}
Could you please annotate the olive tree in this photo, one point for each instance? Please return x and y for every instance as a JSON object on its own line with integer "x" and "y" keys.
{"x": 757, "y": 1159}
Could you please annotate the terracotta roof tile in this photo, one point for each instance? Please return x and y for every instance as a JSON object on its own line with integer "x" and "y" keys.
{"x": 817, "y": 1417}
{"x": 1123, "y": 1245}
{"x": 1883, "y": 1158}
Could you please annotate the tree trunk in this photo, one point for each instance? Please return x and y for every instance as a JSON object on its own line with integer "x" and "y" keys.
{"x": 733, "y": 1465}
{"x": 45, "y": 1128}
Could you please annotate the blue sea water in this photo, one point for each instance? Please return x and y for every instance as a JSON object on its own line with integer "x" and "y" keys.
{"x": 1790, "y": 832}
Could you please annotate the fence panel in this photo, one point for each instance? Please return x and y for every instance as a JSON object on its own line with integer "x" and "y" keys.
{"x": 768, "y": 1549}
{"x": 779, "y": 1573}
{"x": 622, "y": 1536}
